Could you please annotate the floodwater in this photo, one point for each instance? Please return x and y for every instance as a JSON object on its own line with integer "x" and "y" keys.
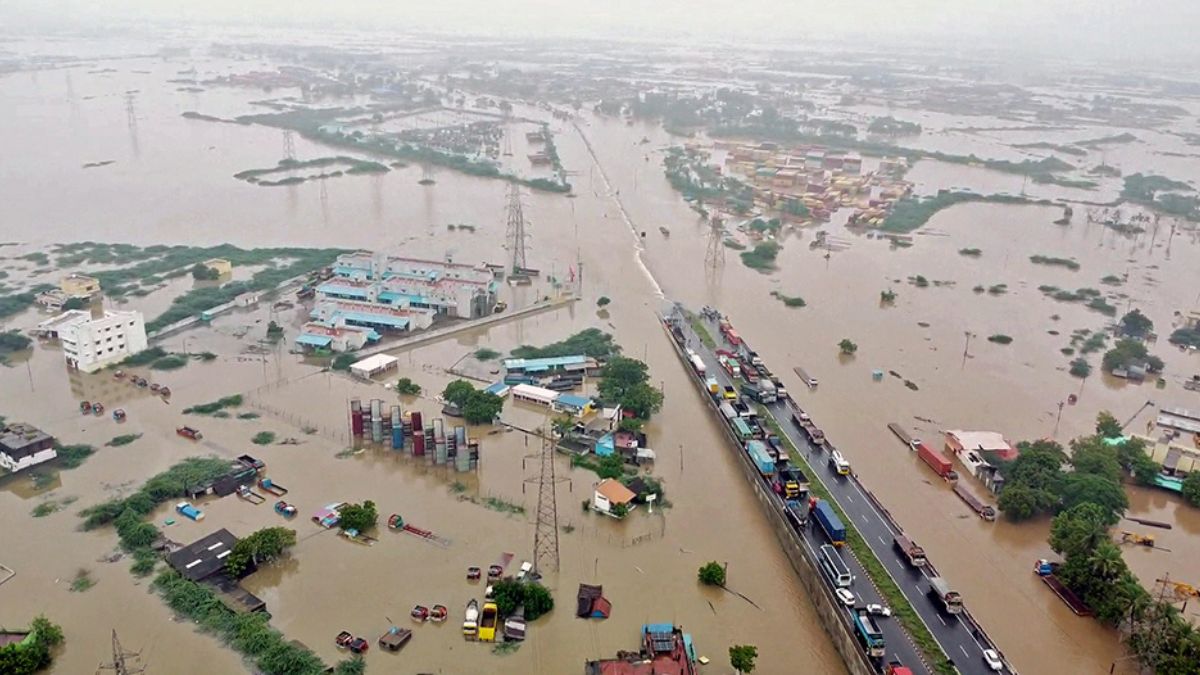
{"x": 646, "y": 563}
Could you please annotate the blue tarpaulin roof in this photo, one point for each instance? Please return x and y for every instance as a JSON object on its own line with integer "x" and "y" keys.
{"x": 604, "y": 446}
{"x": 314, "y": 340}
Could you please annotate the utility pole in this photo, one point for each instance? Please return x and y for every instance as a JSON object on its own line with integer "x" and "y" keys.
{"x": 120, "y": 663}
{"x": 714, "y": 256}
{"x": 289, "y": 144}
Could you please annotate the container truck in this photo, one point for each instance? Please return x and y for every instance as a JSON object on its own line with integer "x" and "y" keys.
{"x": 761, "y": 458}
{"x": 949, "y": 598}
{"x": 915, "y": 554}
{"x": 792, "y": 483}
{"x": 830, "y": 523}
{"x": 936, "y": 461}
{"x": 761, "y": 390}
{"x": 780, "y": 390}
{"x": 697, "y": 363}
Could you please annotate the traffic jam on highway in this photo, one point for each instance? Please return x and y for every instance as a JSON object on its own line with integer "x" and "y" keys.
{"x": 740, "y": 387}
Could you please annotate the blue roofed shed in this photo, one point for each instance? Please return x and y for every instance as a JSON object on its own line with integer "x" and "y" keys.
{"x": 572, "y": 403}
{"x": 605, "y": 446}
{"x": 500, "y": 389}
{"x": 579, "y": 362}
{"x": 308, "y": 340}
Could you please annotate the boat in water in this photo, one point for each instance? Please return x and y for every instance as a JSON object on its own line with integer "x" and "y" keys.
{"x": 471, "y": 620}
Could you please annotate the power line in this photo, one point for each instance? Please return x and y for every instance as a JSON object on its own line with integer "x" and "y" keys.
{"x": 121, "y": 659}
{"x": 545, "y": 535}
{"x": 516, "y": 229}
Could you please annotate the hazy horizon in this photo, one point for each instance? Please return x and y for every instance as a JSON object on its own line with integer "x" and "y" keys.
{"x": 1119, "y": 30}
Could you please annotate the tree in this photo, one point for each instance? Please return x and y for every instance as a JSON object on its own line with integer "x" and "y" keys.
{"x": 262, "y": 546}
{"x": 202, "y": 272}
{"x": 406, "y": 387}
{"x": 482, "y": 408}
{"x": 847, "y": 346}
{"x": 355, "y": 665}
{"x": 1018, "y": 502}
{"x": 1077, "y": 531}
{"x": 1092, "y": 455}
{"x": 712, "y": 574}
{"x": 642, "y": 400}
{"x": 1191, "y": 488}
{"x": 603, "y": 301}
{"x": 619, "y": 375}
{"x": 563, "y": 426}
{"x": 538, "y": 601}
{"x": 1080, "y": 368}
{"x": 359, "y": 517}
{"x": 343, "y": 361}
{"x": 1107, "y": 425}
{"x": 1135, "y": 324}
{"x": 741, "y": 657}
{"x": 619, "y": 510}
{"x": 1126, "y": 353}
{"x": 1085, "y": 488}
{"x": 508, "y": 595}
{"x": 458, "y": 392}
{"x": 631, "y": 424}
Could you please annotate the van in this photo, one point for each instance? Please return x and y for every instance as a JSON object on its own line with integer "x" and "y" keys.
{"x": 839, "y": 463}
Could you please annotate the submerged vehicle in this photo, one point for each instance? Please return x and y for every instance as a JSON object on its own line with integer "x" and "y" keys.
{"x": 471, "y": 620}
{"x": 487, "y": 622}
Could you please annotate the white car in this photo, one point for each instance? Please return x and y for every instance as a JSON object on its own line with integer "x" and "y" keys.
{"x": 992, "y": 659}
{"x": 879, "y": 610}
{"x": 845, "y": 596}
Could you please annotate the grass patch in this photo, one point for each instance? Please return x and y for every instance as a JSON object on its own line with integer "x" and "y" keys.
{"x": 701, "y": 330}
{"x": 145, "y": 357}
{"x": 502, "y": 648}
{"x": 1102, "y": 306}
{"x": 82, "y": 582}
{"x": 219, "y": 404}
{"x": 591, "y": 342}
{"x": 73, "y": 456}
{"x": 44, "y": 509}
{"x": 910, "y": 213}
{"x": 789, "y": 300}
{"x": 1000, "y": 339}
{"x": 263, "y": 438}
{"x": 248, "y": 416}
{"x": 970, "y": 252}
{"x": 1112, "y": 280}
{"x": 1054, "y": 262}
{"x": 144, "y": 561}
{"x": 998, "y": 289}
{"x": 123, "y": 439}
{"x": 486, "y": 354}
{"x": 901, "y": 608}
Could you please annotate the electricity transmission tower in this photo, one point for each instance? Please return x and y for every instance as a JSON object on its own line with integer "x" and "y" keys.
{"x": 289, "y": 144}
{"x": 714, "y": 256}
{"x": 516, "y": 228}
{"x": 545, "y": 536}
{"x": 121, "y": 659}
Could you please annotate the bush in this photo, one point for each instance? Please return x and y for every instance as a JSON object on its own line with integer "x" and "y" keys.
{"x": 1191, "y": 488}
{"x": 361, "y": 517}
{"x": 263, "y": 438}
{"x": 1000, "y": 339}
{"x": 538, "y": 601}
{"x": 762, "y": 257}
{"x": 742, "y": 657}
{"x": 603, "y": 301}
{"x": 712, "y": 574}
{"x": 144, "y": 357}
{"x": 971, "y": 252}
{"x": 407, "y": 387}
{"x": 219, "y": 404}
{"x": 13, "y": 341}
{"x": 201, "y": 272}
{"x": 123, "y": 439}
{"x": 343, "y": 361}
{"x": 169, "y": 362}
{"x": 847, "y": 347}
{"x": 486, "y": 354}
{"x": 509, "y": 594}
{"x": 591, "y": 342}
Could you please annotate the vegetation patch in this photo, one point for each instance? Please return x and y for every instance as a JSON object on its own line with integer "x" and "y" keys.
{"x": 789, "y": 300}
{"x": 72, "y": 456}
{"x": 406, "y": 387}
{"x": 1185, "y": 337}
{"x": 591, "y": 342}
{"x": 263, "y": 438}
{"x": 486, "y": 354}
{"x": 220, "y": 404}
{"x": 123, "y": 439}
{"x": 970, "y": 252}
{"x": 1055, "y": 262}
{"x": 1000, "y": 339}
{"x": 349, "y": 165}
{"x": 910, "y": 213}
{"x": 1127, "y": 353}
{"x": 248, "y": 416}
{"x": 32, "y": 654}
{"x": 82, "y": 581}
{"x": 1112, "y": 280}
{"x": 762, "y": 257}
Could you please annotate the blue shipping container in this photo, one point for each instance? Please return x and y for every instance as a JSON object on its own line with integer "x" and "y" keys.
{"x": 830, "y": 523}
{"x": 761, "y": 457}
{"x": 397, "y": 438}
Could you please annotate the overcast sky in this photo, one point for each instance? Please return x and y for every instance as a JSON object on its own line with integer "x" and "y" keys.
{"x": 1121, "y": 29}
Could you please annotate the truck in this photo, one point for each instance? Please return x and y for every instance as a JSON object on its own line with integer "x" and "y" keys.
{"x": 936, "y": 461}
{"x": 791, "y": 483}
{"x": 761, "y": 391}
{"x": 742, "y": 429}
{"x": 761, "y": 458}
{"x": 897, "y": 668}
{"x": 713, "y": 386}
{"x": 839, "y": 463}
{"x": 868, "y": 634}
{"x": 727, "y": 411}
{"x": 754, "y": 358}
{"x": 780, "y": 390}
{"x": 949, "y": 598}
{"x": 732, "y": 337}
{"x": 829, "y": 522}
{"x": 258, "y": 465}
{"x": 697, "y": 362}
{"x": 730, "y": 365}
{"x": 188, "y": 511}
{"x": 912, "y": 552}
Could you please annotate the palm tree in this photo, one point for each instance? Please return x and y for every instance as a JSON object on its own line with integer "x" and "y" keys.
{"x": 563, "y": 427}
{"x": 1106, "y": 562}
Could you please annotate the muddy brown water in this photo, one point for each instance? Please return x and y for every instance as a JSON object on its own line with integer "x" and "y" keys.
{"x": 329, "y": 584}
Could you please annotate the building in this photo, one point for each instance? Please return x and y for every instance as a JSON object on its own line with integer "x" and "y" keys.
{"x": 203, "y": 561}
{"x": 528, "y": 393}
{"x": 318, "y": 335}
{"x": 992, "y": 444}
{"x": 374, "y": 365}
{"x": 23, "y": 446}
{"x": 609, "y": 494}
{"x": 570, "y": 404}
{"x": 91, "y": 342}
{"x": 79, "y": 286}
{"x": 219, "y": 265}
{"x": 665, "y": 650}
{"x": 239, "y": 474}
{"x": 548, "y": 366}
{"x": 383, "y": 318}
{"x": 53, "y": 299}
{"x": 591, "y": 603}
{"x": 446, "y": 288}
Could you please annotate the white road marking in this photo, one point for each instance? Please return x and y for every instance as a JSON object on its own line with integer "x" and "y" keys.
{"x": 849, "y": 499}
{"x": 964, "y": 651}
{"x": 939, "y": 616}
{"x": 882, "y": 541}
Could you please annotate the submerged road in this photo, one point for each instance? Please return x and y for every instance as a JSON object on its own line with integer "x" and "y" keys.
{"x": 957, "y": 634}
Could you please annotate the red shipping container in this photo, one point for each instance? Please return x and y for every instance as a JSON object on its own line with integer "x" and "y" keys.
{"x": 934, "y": 459}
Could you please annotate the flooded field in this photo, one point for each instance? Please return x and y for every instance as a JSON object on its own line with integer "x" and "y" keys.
{"x": 172, "y": 182}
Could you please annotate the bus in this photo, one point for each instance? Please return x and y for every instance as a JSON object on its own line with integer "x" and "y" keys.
{"x": 868, "y": 634}
{"x": 835, "y": 567}
{"x": 839, "y": 463}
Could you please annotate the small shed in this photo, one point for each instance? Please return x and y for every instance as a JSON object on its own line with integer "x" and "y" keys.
{"x": 374, "y": 365}
{"x": 591, "y": 603}
{"x": 205, "y": 557}
{"x": 604, "y": 446}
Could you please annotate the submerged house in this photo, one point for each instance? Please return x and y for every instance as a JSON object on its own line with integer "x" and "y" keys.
{"x": 204, "y": 561}
{"x": 591, "y": 603}
{"x": 665, "y": 650}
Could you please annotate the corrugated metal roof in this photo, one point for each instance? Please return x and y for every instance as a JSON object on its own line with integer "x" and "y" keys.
{"x": 314, "y": 340}
{"x": 550, "y": 362}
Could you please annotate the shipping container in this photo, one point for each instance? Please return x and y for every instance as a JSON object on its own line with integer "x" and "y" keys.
{"x": 936, "y": 460}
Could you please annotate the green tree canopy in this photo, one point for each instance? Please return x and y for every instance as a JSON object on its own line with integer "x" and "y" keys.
{"x": 458, "y": 392}
{"x": 742, "y": 657}
{"x": 1191, "y": 488}
{"x": 1078, "y": 530}
{"x": 847, "y": 346}
{"x": 262, "y": 546}
{"x": 712, "y": 574}
{"x": 482, "y": 407}
{"x": 619, "y": 375}
{"x": 1136, "y": 324}
{"x": 642, "y": 400}
{"x": 1085, "y": 488}
{"x": 1107, "y": 425}
{"x": 361, "y": 517}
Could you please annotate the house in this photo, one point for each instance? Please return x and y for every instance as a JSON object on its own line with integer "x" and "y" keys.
{"x": 53, "y": 299}
{"x": 552, "y": 365}
{"x": 239, "y": 474}
{"x": 320, "y": 335}
{"x": 371, "y": 315}
{"x": 219, "y": 265}
{"x": 205, "y": 557}
{"x": 247, "y": 299}
{"x": 445, "y": 288}
{"x": 609, "y": 494}
{"x": 91, "y": 342}
{"x": 528, "y": 393}
{"x": 374, "y": 365}
{"x": 665, "y": 650}
{"x": 572, "y": 405}
{"x": 79, "y": 286}
{"x": 591, "y": 603}
{"x": 23, "y": 446}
